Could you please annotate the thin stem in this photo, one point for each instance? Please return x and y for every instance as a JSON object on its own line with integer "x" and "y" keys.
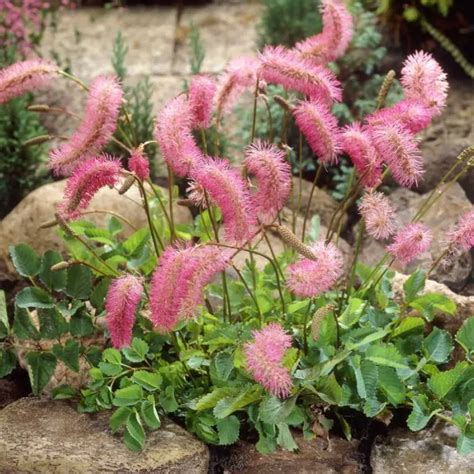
{"x": 270, "y": 121}
{"x": 112, "y": 213}
{"x": 74, "y": 79}
{"x": 170, "y": 193}
{"x": 160, "y": 202}
{"x": 267, "y": 240}
{"x": 308, "y": 205}
{"x": 254, "y": 118}
{"x": 305, "y": 328}
{"x": 358, "y": 246}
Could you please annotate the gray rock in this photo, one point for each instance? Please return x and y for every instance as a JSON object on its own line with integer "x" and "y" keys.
{"x": 51, "y": 437}
{"x": 431, "y": 451}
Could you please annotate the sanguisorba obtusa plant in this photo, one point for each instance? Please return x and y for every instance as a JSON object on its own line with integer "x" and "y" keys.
{"x": 220, "y": 346}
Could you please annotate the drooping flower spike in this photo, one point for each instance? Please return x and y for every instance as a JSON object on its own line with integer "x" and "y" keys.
{"x": 95, "y": 130}
{"x": 139, "y": 164}
{"x": 87, "y": 179}
{"x": 410, "y": 242}
{"x": 320, "y": 129}
{"x": 379, "y": 215}
{"x": 265, "y": 359}
{"x": 201, "y": 100}
{"x": 462, "y": 237}
{"x": 273, "y": 175}
{"x": 309, "y": 278}
{"x": 227, "y": 190}
{"x": 23, "y": 77}
{"x": 123, "y": 297}
{"x": 173, "y": 132}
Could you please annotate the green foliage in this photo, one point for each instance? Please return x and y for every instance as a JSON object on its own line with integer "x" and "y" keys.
{"x": 197, "y": 50}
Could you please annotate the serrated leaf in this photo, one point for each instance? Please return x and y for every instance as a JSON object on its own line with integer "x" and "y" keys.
{"x": 148, "y": 380}
{"x": 443, "y": 382}
{"x": 210, "y": 400}
{"x": 99, "y": 293}
{"x": 465, "y": 335}
{"x": 372, "y": 407}
{"x": 137, "y": 240}
{"x": 52, "y": 280}
{"x": 8, "y": 362}
{"x": 329, "y": 389}
{"x": 134, "y": 428}
{"x": 41, "y": 366}
{"x": 150, "y": 415}
{"x": 52, "y": 324}
{"x": 131, "y": 443}
{"x": 81, "y": 324}
{"x": 221, "y": 367}
{"x": 119, "y": 418}
{"x": 352, "y": 313}
{"x": 4, "y": 323}
{"x": 168, "y": 401}
{"x": 407, "y": 325}
{"x": 438, "y": 346}
{"x": 26, "y": 261}
{"x": 112, "y": 355}
{"x": 391, "y": 385}
{"x": 229, "y": 405}
{"x": 69, "y": 354}
{"x": 414, "y": 284}
{"x": 79, "y": 282}
{"x": 137, "y": 351}
{"x": 128, "y": 396}
{"x": 427, "y": 304}
{"x": 228, "y": 430}
{"x": 465, "y": 444}
{"x": 110, "y": 370}
{"x": 63, "y": 392}
{"x": 386, "y": 355}
{"x": 366, "y": 374}
{"x": 23, "y": 327}
{"x": 285, "y": 438}
{"x": 273, "y": 410}
{"x": 421, "y": 413}
{"x": 33, "y": 297}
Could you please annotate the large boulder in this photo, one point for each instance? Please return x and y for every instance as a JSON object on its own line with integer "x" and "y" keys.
{"x": 50, "y": 436}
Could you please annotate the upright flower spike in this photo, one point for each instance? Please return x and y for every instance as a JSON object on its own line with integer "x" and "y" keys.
{"x": 173, "y": 132}
{"x": 357, "y": 144}
{"x": 399, "y": 149}
{"x": 23, "y": 77}
{"x": 309, "y": 278}
{"x": 227, "y": 190}
{"x": 179, "y": 280}
{"x": 123, "y": 297}
{"x": 273, "y": 175}
{"x": 379, "y": 215}
{"x": 265, "y": 359}
{"x": 409, "y": 243}
{"x": 320, "y": 129}
{"x": 462, "y": 237}
{"x": 139, "y": 164}
{"x": 424, "y": 79}
{"x": 96, "y": 128}
{"x": 201, "y": 96}
{"x": 289, "y": 69}
{"x": 87, "y": 179}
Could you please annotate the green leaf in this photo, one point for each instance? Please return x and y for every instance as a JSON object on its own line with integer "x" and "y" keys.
{"x": 366, "y": 374}
{"x": 134, "y": 429}
{"x": 465, "y": 335}
{"x": 81, "y": 324}
{"x": 228, "y": 430}
{"x": 7, "y": 362}
{"x": 168, "y": 401}
{"x": 4, "y": 324}
{"x": 79, "y": 282}
{"x": 112, "y": 355}
{"x": 26, "y": 261}
{"x": 408, "y": 324}
{"x": 63, "y": 392}
{"x": 99, "y": 293}
{"x": 229, "y": 405}
{"x": 285, "y": 438}
{"x": 52, "y": 324}
{"x": 33, "y": 297}
{"x": 211, "y": 399}
{"x": 52, "y": 280}
{"x": 221, "y": 366}
{"x": 110, "y": 370}
{"x": 23, "y": 327}
{"x": 465, "y": 444}
{"x": 372, "y": 407}
{"x": 422, "y": 412}
{"x": 387, "y": 355}
{"x": 329, "y": 390}
{"x": 427, "y": 304}
{"x": 438, "y": 346}
{"x": 137, "y": 351}
{"x": 352, "y": 313}
{"x": 119, "y": 418}
{"x": 69, "y": 354}
{"x": 414, "y": 284}
{"x": 391, "y": 385}
{"x": 150, "y": 415}
{"x": 128, "y": 396}
{"x": 443, "y": 382}
{"x": 148, "y": 380}
{"x": 137, "y": 240}
{"x": 273, "y": 410}
{"x": 41, "y": 366}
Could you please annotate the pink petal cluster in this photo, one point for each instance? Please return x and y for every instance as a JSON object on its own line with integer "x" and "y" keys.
{"x": 379, "y": 215}
{"x": 201, "y": 96}
{"x": 23, "y": 77}
{"x": 423, "y": 79}
{"x": 410, "y": 242}
{"x": 123, "y": 297}
{"x": 87, "y": 179}
{"x": 399, "y": 149}
{"x": 309, "y": 278}
{"x": 320, "y": 129}
{"x": 179, "y": 280}
{"x": 265, "y": 359}
{"x": 227, "y": 190}
{"x": 273, "y": 175}
{"x": 462, "y": 236}
{"x": 173, "y": 132}
{"x": 139, "y": 164}
{"x": 290, "y": 69}
{"x": 356, "y": 142}
{"x": 96, "y": 128}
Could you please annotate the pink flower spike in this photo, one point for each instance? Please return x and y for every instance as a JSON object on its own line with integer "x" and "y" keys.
{"x": 201, "y": 95}
{"x": 138, "y": 163}
{"x": 23, "y": 77}
{"x": 87, "y": 179}
{"x": 462, "y": 237}
{"x": 356, "y": 142}
{"x": 424, "y": 79}
{"x": 273, "y": 175}
{"x": 173, "y": 132}
{"x": 399, "y": 149}
{"x": 379, "y": 215}
{"x": 227, "y": 190}
{"x": 320, "y": 129}
{"x": 409, "y": 243}
{"x": 309, "y": 278}
{"x": 265, "y": 359}
{"x": 289, "y": 69}
{"x": 123, "y": 297}
{"x": 96, "y": 128}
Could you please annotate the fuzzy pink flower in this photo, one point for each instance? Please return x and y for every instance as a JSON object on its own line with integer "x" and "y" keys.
{"x": 201, "y": 95}
{"x": 227, "y": 190}
{"x": 139, "y": 164}
{"x": 357, "y": 143}
{"x": 309, "y": 278}
{"x": 379, "y": 215}
{"x": 173, "y": 132}
{"x": 179, "y": 280}
{"x": 265, "y": 359}
{"x": 273, "y": 175}
{"x": 23, "y": 77}
{"x": 399, "y": 149}
{"x": 87, "y": 179}
{"x": 410, "y": 242}
{"x": 462, "y": 236}
{"x": 424, "y": 79}
{"x": 96, "y": 128}
{"x": 320, "y": 129}
{"x": 239, "y": 75}
{"x": 123, "y": 297}
{"x": 289, "y": 69}
{"x": 334, "y": 40}
{"x": 412, "y": 114}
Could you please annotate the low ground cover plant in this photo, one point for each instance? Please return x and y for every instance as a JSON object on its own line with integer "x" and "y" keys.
{"x": 170, "y": 323}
